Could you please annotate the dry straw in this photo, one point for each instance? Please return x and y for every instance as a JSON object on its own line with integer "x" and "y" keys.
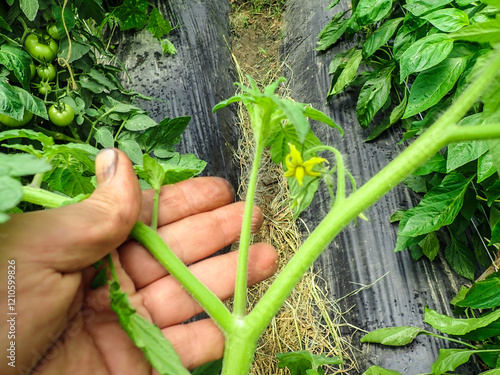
{"x": 305, "y": 320}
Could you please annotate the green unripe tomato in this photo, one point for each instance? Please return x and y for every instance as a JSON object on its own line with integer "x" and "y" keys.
{"x": 32, "y": 71}
{"x": 53, "y": 32}
{"x": 9, "y": 121}
{"x": 41, "y": 49}
{"x": 44, "y": 88}
{"x": 61, "y": 114}
{"x": 46, "y": 72}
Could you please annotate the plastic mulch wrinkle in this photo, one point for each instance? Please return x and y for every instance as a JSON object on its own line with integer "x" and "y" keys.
{"x": 361, "y": 255}
{"x": 192, "y": 81}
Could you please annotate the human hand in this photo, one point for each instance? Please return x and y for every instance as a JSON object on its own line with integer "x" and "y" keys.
{"x": 64, "y": 327}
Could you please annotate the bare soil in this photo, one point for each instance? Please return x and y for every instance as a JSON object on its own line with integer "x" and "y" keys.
{"x": 256, "y": 38}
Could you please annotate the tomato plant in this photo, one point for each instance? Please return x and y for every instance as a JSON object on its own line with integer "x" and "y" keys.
{"x": 46, "y": 72}
{"x": 109, "y": 117}
{"x": 12, "y": 122}
{"x": 53, "y": 32}
{"x": 44, "y": 88}
{"x": 43, "y": 49}
{"x": 61, "y": 114}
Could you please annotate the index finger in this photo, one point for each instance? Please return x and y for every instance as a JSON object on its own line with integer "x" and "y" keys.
{"x": 186, "y": 198}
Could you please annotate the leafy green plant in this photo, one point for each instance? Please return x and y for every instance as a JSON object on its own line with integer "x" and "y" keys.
{"x": 270, "y": 115}
{"x": 126, "y": 15}
{"x": 421, "y": 56}
{"x": 85, "y": 107}
{"x": 305, "y": 363}
{"x": 281, "y": 125}
{"x": 482, "y": 331}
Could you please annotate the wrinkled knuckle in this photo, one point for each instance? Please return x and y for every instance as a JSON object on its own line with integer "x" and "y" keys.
{"x": 112, "y": 224}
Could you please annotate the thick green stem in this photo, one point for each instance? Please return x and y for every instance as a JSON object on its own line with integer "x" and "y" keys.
{"x": 239, "y": 348}
{"x": 37, "y": 180}
{"x": 466, "y": 133}
{"x": 208, "y": 300}
{"x": 240, "y": 292}
{"x": 436, "y": 137}
{"x": 450, "y": 339}
{"x": 43, "y": 197}
{"x": 154, "y": 217}
{"x": 56, "y": 135}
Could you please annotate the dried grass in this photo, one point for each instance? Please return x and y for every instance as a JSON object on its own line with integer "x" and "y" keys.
{"x": 304, "y": 321}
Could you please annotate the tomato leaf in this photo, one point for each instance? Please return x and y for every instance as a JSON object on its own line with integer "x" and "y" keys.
{"x": 17, "y": 165}
{"x": 29, "y": 8}
{"x": 145, "y": 335}
{"x": 90, "y": 9}
{"x": 210, "y": 368}
{"x": 299, "y": 362}
{"x": 102, "y": 79}
{"x": 78, "y": 50}
{"x": 282, "y": 136}
{"x": 69, "y": 18}
{"x": 181, "y": 167}
{"x": 153, "y": 172}
{"x": 11, "y": 191}
{"x": 104, "y": 137}
{"x": 168, "y": 132}
{"x": 317, "y": 115}
{"x": 433, "y": 84}
{"x": 10, "y": 104}
{"x": 27, "y": 133}
{"x": 139, "y": 122}
{"x": 393, "y": 336}
{"x": 424, "y": 54}
{"x": 18, "y": 62}
{"x": 69, "y": 181}
{"x": 31, "y": 102}
{"x": 132, "y": 149}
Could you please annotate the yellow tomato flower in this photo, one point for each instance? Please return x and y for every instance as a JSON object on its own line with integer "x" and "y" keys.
{"x": 298, "y": 168}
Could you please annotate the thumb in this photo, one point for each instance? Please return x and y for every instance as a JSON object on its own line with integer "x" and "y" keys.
{"x": 73, "y": 237}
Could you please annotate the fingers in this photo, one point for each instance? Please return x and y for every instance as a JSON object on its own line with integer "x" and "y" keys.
{"x": 187, "y": 198}
{"x": 192, "y": 238}
{"x": 196, "y": 343}
{"x": 73, "y": 237}
{"x": 168, "y": 303}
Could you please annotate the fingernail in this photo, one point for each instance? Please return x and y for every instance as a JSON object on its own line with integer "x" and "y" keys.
{"x": 105, "y": 166}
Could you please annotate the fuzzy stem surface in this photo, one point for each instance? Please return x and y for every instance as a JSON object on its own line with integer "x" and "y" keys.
{"x": 240, "y": 292}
